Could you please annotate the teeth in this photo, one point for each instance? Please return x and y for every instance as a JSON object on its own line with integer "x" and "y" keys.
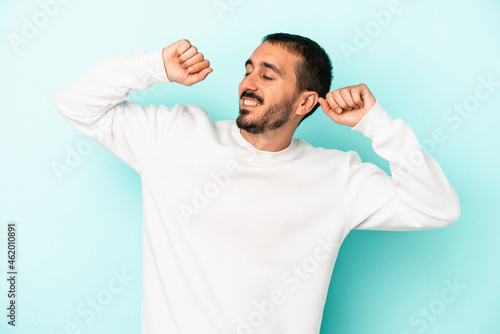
{"x": 249, "y": 102}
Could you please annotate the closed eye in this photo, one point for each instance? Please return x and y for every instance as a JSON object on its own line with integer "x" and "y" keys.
{"x": 266, "y": 78}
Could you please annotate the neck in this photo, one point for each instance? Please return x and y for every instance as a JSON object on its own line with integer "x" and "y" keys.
{"x": 271, "y": 140}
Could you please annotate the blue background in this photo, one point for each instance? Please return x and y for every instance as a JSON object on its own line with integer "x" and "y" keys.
{"x": 76, "y": 231}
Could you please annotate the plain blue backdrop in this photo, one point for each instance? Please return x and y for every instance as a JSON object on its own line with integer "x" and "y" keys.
{"x": 434, "y": 64}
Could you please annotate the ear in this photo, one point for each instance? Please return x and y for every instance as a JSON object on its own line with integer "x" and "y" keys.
{"x": 308, "y": 100}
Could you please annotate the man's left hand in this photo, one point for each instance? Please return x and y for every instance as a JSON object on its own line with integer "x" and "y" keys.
{"x": 348, "y": 105}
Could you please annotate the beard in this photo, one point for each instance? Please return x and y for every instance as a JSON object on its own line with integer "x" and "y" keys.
{"x": 273, "y": 117}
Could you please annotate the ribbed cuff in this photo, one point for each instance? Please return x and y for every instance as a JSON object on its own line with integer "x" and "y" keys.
{"x": 152, "y": 64}
{"x": 375, "y": 120}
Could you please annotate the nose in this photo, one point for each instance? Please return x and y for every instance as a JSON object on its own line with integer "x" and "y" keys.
{"x": 248, "y": 83}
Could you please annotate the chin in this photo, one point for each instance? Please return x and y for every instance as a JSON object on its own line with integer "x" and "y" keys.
{"x": 244, "y": 123}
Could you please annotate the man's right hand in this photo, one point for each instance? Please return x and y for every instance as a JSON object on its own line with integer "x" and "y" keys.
{"x": 184, "y": 64}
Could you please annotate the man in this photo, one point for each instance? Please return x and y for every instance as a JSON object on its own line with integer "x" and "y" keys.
{"x": 243, "y": 222}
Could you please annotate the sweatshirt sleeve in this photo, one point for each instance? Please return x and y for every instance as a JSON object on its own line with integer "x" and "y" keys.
{"x": 95, "y": 105}
{"x": 417, "y": 195}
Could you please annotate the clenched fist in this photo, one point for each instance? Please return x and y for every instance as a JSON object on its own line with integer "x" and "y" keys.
{"x": 184, "y": 64}
{"x": 348, "y": 105}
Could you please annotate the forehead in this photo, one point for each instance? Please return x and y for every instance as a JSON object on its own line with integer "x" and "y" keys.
{"x": 276, "y": 55}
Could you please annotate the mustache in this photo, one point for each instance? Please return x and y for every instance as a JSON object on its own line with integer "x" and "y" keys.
{"x": 251, "y": 95}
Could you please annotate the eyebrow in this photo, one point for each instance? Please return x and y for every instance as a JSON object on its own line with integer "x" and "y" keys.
{"x": 265, "y": 64}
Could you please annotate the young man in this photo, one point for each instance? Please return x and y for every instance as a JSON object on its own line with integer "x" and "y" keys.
{"x": 242, "y": 221}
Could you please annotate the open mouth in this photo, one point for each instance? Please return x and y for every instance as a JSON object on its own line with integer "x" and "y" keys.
{"x": 247, "y": 102}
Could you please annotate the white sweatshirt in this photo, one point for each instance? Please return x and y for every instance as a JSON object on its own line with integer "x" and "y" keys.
{"x": 238, "y": 240}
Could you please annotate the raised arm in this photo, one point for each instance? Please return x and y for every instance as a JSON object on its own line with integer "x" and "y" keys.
{"x": 95, "y": 102}
{"x": 417, "y": 196}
